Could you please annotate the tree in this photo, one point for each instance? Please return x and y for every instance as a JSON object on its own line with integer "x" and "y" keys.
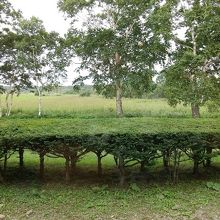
{"x": 43, "y": 55}
{"x": 11, "y": 70}
{"x": 2, "y": 90}
{"x": 8, "y": 15}
{"x": 120, "y": 41}
{"x": 193, "y": 76}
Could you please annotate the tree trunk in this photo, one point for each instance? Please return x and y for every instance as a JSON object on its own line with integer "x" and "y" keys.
{"x": 5, "y": 163}
{"x": 196, "y": 167}
{"x": 195, "y": 111}
{"x": 1, "y": 176}
{"x": 122, "y": 171}
{"x": 208, "y": 160}
{"x": 41, "y": 155}
{"x": 11, "y": 103}
{"x": 73, "y": 160}
{"x": 99, "y": 164}
{"x": 119, "y": 110}
{"x": 166, "y": 159}
{"x": 177, "y": 155}
{"x": 116, "y": 160}
{"x": 1, "y": 110}
{"x": 7, "y": 104}
{"x": 21, "y": 157}
{"x": 67, "y": 164}
{"x": 39, "y": 102}
{"x": 142, "y": 167}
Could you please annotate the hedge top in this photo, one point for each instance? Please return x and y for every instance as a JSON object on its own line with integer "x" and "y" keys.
{"x": 76, "y": 127}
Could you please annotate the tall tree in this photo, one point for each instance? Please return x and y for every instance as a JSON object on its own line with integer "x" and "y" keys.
{"x": 11, "y": 72}
{"x": 43, "y": 55}
{"x": 119, "y": 41}
{"x": 193, "y": 76}
{"x": 1, "y": 92}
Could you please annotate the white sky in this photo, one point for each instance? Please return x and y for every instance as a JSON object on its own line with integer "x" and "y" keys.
{"x": 46, "y": 10}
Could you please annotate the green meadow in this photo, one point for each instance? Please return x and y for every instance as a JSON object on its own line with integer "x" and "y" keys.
{"x": 26, "y": 105}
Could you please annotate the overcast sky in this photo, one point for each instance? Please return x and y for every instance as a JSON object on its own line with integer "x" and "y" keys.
{"x": 53, "y": 20}
{"x": 46, "y": 10}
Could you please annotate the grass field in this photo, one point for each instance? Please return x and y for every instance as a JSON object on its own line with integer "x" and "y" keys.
{"x": 97, "y": 106}
{"x": 89, "y": 197}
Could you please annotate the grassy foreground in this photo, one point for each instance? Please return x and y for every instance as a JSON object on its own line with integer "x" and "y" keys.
{"x": 145, "y": 197}
{"x": 88, "y": 197}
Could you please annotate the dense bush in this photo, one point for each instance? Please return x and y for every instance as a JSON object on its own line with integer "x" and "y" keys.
{"x": 72, "y": 139}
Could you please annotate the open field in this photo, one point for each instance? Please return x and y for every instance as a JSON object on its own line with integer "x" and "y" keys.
{"x": 89, "y": 197}
{"x": 26, "y": 105}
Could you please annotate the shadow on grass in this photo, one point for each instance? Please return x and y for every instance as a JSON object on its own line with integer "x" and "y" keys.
{"x": 87, "y": 176}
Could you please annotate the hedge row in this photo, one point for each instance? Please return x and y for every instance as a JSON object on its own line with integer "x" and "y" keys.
{"x": 72, "y": 139}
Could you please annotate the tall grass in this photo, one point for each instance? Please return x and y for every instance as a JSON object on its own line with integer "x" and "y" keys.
{"x": 26, "y": 105}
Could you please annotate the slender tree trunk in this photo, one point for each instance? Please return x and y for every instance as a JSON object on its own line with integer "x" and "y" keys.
{"x": 10, "y": 104}
{"x": 41, "y": 156}
{"x": 119, "y": 110}
{"x": 73, "y": 160}
{"x": 21, "y": 157}
{"x": 177, "y": 155}
{"x": 208, "y": 160}
{"x": 194, "y": 107}
{"x": 67, "y": 165}
{"x": 5, "y": 163}
{"x": 195, "y": 111}
{"x": 1, "y": 109}
{"x": 6, "y": 103}
{"x": 142, "y": 167}
{"x": 99, "y": 164}
{"x": 195, "y": 167}
{"x": 166, "y": 159}
{"x": 116, "y": 160}
{"x": 1, "y": 176}
{"x": 122, "y": 170}
{"x": 39, "y": 102}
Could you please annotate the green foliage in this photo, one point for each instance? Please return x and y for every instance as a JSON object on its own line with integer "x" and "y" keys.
{"x": 119, "y": 44}
{"x": 42, "y": 53}
{"x": 85, "y": 94}
{"x": 213, "y": 186}
{"x": 192, "y": 78}
{"x": 132, "y": 142}
{"x": 213, "y": 106}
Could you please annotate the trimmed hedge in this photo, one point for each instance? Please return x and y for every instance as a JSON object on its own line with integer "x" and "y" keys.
{"x": 130, "y": 141}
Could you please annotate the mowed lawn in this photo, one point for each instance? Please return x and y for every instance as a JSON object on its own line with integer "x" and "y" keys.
{"x": 90, "y": 197}
{"x": 97, "y": 106}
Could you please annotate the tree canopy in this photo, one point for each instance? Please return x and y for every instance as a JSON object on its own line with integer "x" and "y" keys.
{"x": 193, "y": 76}
{"x": 120, "y": 41}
